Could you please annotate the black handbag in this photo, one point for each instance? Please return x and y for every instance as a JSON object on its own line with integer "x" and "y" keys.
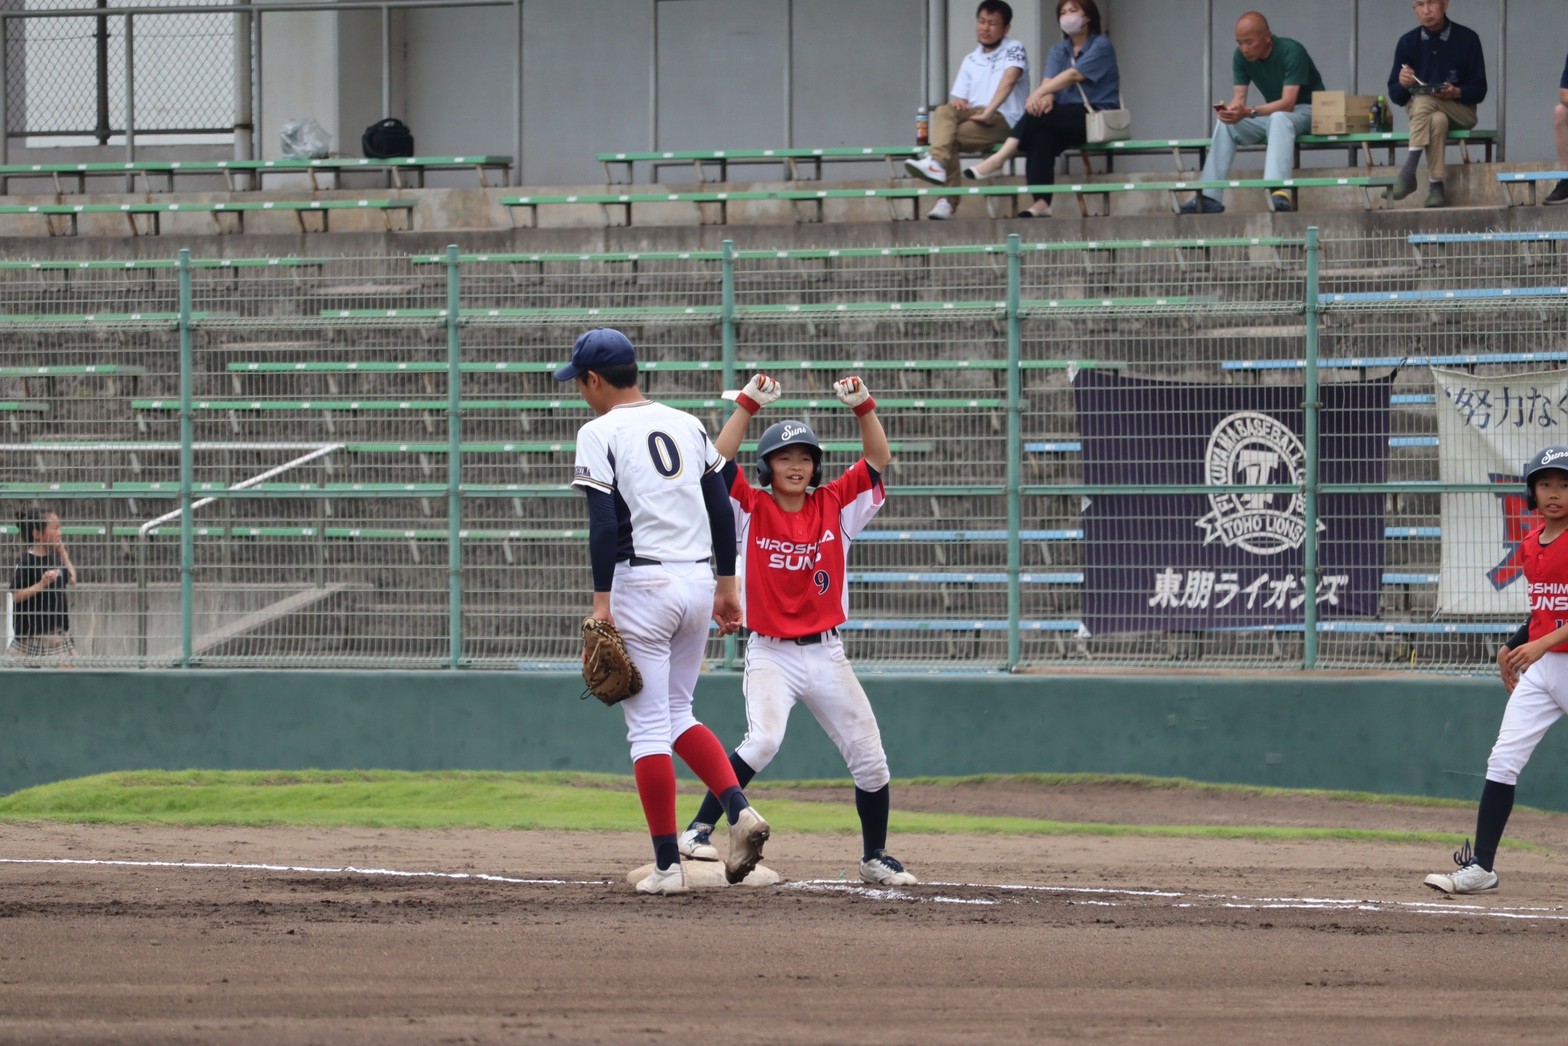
{"x": 387, "y": 138}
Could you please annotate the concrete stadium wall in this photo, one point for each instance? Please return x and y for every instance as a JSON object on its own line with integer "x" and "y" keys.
{"x": 599, "y": 75}
{"x": 1420, "y": 735}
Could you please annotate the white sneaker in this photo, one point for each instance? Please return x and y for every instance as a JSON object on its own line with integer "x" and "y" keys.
{"x": 928, "y": 168}
{"x": 943, "y": 210}
{"x": 1469, "y": 877}
{"x": 697, "y": 843}
{"x": 883, "y": 869}
{"x": 747, "y": 835}
{"x": 665, "y": 881}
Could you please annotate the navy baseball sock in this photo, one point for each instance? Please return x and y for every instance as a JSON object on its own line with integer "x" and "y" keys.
{"x": 1412, "y": 160}
{"x": 1497, "y": 802}
{"x": 665, "y": 851}
{"x": 732, "y": 802}
{"x": 873, "y": 809}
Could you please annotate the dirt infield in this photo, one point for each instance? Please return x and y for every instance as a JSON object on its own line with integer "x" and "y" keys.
{"x": 245, "y": 936}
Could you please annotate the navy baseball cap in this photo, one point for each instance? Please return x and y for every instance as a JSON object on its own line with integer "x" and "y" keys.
{"x": 600, "y": 347}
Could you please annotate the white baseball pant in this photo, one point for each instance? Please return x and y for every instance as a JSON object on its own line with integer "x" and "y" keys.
{"x": 1540, "y": 698}
{"x": 780, "y": 672}
{"x": 662, "y": 611}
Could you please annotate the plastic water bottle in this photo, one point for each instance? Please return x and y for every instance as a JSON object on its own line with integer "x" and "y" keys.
{"x": 922, "y": 127}
{"x": 1375, "y": 119}
{"x": 1385, "y": 114}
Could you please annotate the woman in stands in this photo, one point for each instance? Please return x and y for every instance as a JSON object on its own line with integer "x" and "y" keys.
{"x": 40, "y": 616}
{"x": 1082, "y": 65}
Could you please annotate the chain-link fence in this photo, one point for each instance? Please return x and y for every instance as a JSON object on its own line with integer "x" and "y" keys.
{"x": 98, "y": 75}
{"x": 1107, "y": 453}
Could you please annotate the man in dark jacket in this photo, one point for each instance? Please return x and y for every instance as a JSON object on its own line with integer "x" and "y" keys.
{"x": 1439, "y": 76}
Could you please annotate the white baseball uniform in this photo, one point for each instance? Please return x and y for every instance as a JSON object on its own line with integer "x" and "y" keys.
{"x": 652, "y": 458}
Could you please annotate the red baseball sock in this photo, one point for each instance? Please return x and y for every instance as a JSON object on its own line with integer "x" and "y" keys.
{"x": 655, "y": 776}
{"x": 701, "y": 751}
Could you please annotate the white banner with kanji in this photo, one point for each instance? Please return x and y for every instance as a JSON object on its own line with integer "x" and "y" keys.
{"x": 1487, "y": 428}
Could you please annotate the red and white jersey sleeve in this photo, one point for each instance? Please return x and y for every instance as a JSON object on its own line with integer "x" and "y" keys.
{"x": 793, "y": 564}
{"x": 1546, "y": 574}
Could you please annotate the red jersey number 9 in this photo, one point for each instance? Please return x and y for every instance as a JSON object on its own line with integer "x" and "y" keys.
{"x": 823, "y": 582}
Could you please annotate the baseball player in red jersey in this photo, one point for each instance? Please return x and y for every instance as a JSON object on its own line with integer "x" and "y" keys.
{"x": 657, "y": 515}
{"x": 794, "y": 544}
{"x": 1534, "y": 668}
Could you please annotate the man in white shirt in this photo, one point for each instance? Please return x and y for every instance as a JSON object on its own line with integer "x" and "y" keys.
{"x": 987, "y": 99}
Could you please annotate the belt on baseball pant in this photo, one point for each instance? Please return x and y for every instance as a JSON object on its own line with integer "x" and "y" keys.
{"x": 812, "y": 640}
{"x": 644, "y": 561}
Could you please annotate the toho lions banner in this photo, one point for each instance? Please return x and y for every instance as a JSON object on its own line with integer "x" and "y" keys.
{"x": 1222, "y": 559}
{"x": 1487, "y": 429}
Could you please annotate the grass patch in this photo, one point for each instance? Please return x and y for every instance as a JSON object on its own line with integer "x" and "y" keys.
{"x": 577, "y": 801}
{"x": 1156, "y": 784}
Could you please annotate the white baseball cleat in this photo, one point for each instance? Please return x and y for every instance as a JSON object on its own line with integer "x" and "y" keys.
{"x": 747, "y": 835}
{"x": 664, "y": 881}
{"x": 883, "y": 869}
{"x": 928, "y": 168}
{"x": 696, "y": 843}
{"x": 1469, "y": 877}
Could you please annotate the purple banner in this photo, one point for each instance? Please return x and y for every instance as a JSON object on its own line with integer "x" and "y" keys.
{"x": 1190, "y": 562}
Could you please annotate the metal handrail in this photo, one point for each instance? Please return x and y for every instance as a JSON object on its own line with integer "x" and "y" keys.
{"x": 146, "y": 529}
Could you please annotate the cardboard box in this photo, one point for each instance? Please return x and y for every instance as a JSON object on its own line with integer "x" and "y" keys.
{"x": 1335, "y": 112}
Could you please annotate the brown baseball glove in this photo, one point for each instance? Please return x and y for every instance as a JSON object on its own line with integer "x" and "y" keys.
{"x": 607, "y": 667}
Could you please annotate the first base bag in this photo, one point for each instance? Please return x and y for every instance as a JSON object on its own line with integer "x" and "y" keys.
{"x": 387, "y": 138}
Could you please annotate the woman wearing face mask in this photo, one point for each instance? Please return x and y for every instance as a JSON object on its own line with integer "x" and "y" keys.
{"x": 1082, "y": 64}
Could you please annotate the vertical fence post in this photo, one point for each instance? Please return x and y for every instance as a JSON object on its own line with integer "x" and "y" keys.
{"x": 5, "y": 98}
{"x": 187, "y": 461}
{"x": 130, "y": 101}
{"x": 732, "y": 656}
{"x": 454, "y": 464}
{"x": 1015, "y": 452}
{"x": 1309, "y": 547}
{"x": 101, "y": 73}
{"x": 727, "y": 317}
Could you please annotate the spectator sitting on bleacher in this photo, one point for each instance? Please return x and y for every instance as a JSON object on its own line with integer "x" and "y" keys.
{"x": 1560, "y": 121}
{"x": 987, "y": 99}
{"x": 1439, "y": 76}
{"x": 1080, "y": 65}
{"x": 1286, "y": 77}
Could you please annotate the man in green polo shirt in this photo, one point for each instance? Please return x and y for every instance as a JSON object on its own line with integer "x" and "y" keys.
{"x": 1285, "y": 76}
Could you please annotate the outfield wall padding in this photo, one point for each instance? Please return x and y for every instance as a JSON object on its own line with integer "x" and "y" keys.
{"x": 1414, "y": 735}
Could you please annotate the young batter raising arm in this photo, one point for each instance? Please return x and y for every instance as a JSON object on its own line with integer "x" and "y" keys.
{"x": 657, "y": 513}
{"x": 794, "y": 544}
{"x": 1534, "y": 671}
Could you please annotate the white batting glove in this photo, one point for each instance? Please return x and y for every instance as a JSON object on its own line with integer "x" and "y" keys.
{"x": 852, "y": 392}
{"x": 760, "y": 391}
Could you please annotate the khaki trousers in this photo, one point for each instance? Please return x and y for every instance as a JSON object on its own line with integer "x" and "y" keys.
{"x": 1430, "y": 119}
{"x": 951, "y": 134}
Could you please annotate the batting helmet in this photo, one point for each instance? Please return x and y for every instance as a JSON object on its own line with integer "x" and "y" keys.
{"x": 783, "y": 434}
{"x": 1554, "y": 458}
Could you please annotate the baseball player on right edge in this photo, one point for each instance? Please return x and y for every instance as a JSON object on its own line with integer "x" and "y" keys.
{"x": 1534, "y": 671}
{"x": 793, "y": 543}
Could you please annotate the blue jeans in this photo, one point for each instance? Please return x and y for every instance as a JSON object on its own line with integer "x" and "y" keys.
{"x": 1278, "y": 129}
